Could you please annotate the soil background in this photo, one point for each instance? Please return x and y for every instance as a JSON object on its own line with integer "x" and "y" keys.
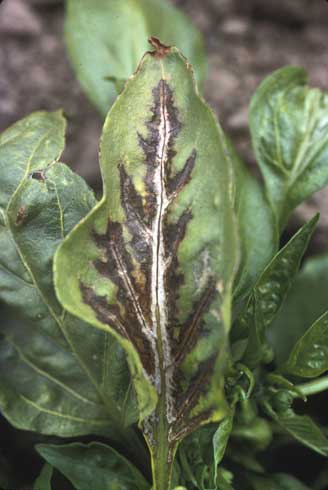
{"x": 245, "y": 41}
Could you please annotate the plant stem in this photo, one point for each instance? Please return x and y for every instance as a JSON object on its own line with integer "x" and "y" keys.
{"x": 162, "y": 451}
{"x": 313, "y": 387}
{"x": 163, "y": 455}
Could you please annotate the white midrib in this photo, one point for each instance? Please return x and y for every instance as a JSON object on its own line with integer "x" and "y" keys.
{"x": 159, "y": 302}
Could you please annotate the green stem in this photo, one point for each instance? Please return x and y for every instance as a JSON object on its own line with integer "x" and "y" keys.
{"x": 162, "y": 464}
{"x": 313, "y": 387}
{"x": 162, "y": 452}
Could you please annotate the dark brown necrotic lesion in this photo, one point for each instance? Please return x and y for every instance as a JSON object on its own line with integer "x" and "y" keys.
{"x": 128, "y": 264}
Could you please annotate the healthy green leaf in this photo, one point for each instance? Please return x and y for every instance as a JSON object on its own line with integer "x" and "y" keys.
{"x": 302, "y": 428}
{"x": 306, "y": 301}
{"x": 43, "y": 482}
{"x": 257, "y": 229}
{"x": 52, "y": 380}
{"x": 289, "y": 126}
{"x": 106, "y": 39}
{"x": 195, "y": 455}
{"x": 309, "y": 357}
{"x": 269, "y": 293}
{"x": 155, "y": 259}
{"x": 202, "y": 452}
{"x": 93, "y": 466}
{"x": 220, "y": 441}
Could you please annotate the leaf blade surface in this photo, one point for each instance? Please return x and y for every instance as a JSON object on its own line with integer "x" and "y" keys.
{"x": 49, "y": 372}
{"x": 160, "y": 250}
{"x": 288, "y": 122}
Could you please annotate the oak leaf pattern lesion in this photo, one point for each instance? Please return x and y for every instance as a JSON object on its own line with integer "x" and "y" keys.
{"x": 145, "y": 269}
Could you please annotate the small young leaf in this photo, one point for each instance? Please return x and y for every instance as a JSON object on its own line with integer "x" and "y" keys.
{"x": 52, "y": 381}
{"x": 289, "y": 126}
{"x": 196, "y": 457}
{"x": 309, "y": 357}
{"x": 93, "y": 466}
{"x": 154, "y": 261}
{"x": 269, "y": 293}
{"x": 306, "y": 301}
{"x": 202, "y": 452}
{"x": 220, "y": 441}
{"x": 43, "y": 482}
{"x": 106, "y": 39}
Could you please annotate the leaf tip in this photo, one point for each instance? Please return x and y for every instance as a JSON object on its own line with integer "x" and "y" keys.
{"x": 161, "y": 50}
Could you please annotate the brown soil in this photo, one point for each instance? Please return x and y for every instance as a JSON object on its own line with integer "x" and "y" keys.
{"x": 245, "y": 41}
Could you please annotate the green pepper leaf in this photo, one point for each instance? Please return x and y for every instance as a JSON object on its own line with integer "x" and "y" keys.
{"x": 201, "y": 453}
{"x": 289, "y": 126}
{"x": 93, "y": 465}
{"x": 257, "y": 228}
{"x": 269, "y": 293}
{"x": 106, "y": 39}
{"x": 220, "y": 442}
{"x": 306, "y": 301}
{"x": 306, "y": 431}
{"x": 52, "y": 380}
{"x": 154, "y": 261}
{"x": 43, "y": 482}
{"x": 309, "y": 357}
{"x": 302, "y": 428}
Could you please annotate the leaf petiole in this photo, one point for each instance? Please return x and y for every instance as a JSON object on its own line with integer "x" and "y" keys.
{"x": 312, "y": 387}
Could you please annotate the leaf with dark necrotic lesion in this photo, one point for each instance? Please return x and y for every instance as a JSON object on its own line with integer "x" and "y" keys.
{"x": 154, "y": 261}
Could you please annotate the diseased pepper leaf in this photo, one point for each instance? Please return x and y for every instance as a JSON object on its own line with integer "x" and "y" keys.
{"x": 309, "y": 357}
{"x": 289, "y": 127}
{"x": 154, "y": 261}
{"x": 93, "y": 466}
{"x": 106, "y": 39}
{"x": 306, "y": 301}
{"x": 269, "y": 293}
{"x": 52, "y": 380}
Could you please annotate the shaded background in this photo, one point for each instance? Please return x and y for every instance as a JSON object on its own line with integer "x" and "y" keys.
{"x": 245, "y": 40}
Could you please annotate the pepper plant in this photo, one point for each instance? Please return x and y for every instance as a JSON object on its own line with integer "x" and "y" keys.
{"x": 142, "y": 320}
